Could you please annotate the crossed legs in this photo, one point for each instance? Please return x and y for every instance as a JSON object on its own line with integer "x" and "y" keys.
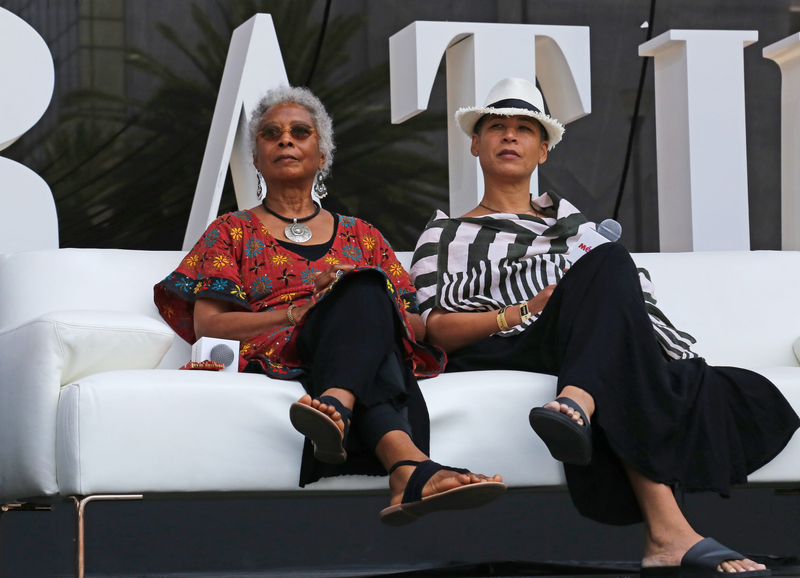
{"x": 668, "y": 535}
{"x": 395, "y": 446}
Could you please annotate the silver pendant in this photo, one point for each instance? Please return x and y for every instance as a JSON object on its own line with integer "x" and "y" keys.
{"x": 297, "y": 232}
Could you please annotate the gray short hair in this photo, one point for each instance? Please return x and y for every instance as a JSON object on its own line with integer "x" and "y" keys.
{"x": 301, "y": 96}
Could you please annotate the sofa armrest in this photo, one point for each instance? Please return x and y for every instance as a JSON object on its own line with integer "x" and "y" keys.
{"x": 41, "y": 355}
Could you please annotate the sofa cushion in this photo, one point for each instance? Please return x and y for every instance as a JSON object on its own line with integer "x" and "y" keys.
{"x": 41, "y": 355}
{"x": 167, "y": 431}
{"x": 741, "y": 306}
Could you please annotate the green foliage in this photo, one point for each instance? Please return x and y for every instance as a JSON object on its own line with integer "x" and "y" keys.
{"x": 124, "y": 172}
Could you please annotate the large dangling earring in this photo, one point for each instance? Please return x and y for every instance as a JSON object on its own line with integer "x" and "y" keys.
{"x": 319, "y": 187}
{"x": 259, "y": 189}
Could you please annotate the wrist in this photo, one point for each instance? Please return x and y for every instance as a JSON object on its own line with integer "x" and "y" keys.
{"x": 293, "y": 314}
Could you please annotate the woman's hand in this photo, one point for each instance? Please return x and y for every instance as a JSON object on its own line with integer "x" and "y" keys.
{"x": 452, "y": 331}
{"x": 323, "y": 279}
{"x": 536, "y": 305}
{"x": 322, "y": 282}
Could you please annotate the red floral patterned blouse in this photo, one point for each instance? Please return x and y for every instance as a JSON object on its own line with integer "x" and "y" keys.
{"x": 239, "y": 261}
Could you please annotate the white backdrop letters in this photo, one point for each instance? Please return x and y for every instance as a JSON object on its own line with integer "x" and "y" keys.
{"x": 26, "y": 87}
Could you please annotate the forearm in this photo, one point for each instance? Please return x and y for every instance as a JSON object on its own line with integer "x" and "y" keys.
{"x": 213, "y": 319}
{"x": 418, "y": 326}
{"x": 452, "y": 331}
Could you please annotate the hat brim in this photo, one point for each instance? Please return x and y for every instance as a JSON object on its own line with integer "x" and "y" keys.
{"x": 467, "y": 117}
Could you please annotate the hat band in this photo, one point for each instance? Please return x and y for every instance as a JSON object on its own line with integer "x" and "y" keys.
{"x": 513, "y": 103}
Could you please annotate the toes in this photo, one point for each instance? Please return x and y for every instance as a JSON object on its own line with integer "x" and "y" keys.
{"x": 306, "y": 400}
{"x": 740, "y": 566}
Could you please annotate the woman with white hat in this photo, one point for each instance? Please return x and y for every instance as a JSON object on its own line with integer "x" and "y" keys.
{"x": 638, "y": 413}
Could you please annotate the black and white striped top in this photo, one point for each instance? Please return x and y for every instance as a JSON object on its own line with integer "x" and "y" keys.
{"x": 473, "y": 264}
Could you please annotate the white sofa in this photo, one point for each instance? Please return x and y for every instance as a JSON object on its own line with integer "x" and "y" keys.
{"x": 88, "y": 407}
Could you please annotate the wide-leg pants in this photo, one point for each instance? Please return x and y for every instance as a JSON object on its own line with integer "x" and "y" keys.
{"x": 681, "y": 423}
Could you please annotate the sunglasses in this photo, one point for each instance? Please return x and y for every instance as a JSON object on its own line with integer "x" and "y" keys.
{"x": 297, "y": 132}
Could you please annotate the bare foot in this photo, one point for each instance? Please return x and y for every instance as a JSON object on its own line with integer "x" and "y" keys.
{"x": 328, "y": 410}
{"x": 580, "y": 397}
{"x": 671, "y": 553}
{"x": 440, "y": 482}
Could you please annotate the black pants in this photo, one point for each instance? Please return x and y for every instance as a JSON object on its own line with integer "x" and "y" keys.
{"x": 680, "y": 423}
{"x": 352, "y": 340}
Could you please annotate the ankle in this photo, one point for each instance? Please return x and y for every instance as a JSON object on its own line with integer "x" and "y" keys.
{"x": 343, "y": 395}
{"x": 666, "y": 537}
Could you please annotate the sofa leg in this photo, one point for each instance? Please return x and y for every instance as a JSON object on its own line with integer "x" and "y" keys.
{"x": 24, "y": 508}
{"x": 80, "y": 506}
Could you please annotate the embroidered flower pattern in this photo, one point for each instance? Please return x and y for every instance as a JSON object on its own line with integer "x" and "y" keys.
{"x": 352, "y": 252}
{"x": 185, "y": 284}
{"x": 254, "y": 247}
{"x": 211, "y": 238}
{"x": 240, "y": 261}
{"x": 308, "y": 276}
{"x": 287, "y": 297}
{"x": 261, "y": 286}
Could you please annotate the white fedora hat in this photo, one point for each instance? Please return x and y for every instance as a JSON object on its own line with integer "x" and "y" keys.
{"x": 512, "y": 97}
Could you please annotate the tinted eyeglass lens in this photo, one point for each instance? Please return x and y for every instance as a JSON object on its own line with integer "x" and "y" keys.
{"x": 298, "y": 132}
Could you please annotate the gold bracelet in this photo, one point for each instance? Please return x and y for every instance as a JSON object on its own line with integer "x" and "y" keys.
{"x": 501, "y": 320}
{"x": 524, "y": 312}
{"x": 289, "y": 313}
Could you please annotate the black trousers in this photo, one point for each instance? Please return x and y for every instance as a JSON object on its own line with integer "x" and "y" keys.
{"x": 352, "y": 340}
{"x": 682, "y": 423}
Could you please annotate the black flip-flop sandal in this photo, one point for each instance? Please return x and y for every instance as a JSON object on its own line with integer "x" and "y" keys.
{"x": 701, "y": 561}
{"x": 323, "y": 432}
{"x": 414, "y": 506}
{"x": 567, "y": 441}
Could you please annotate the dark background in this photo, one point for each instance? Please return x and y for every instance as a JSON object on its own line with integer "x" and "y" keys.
{"x": 136, "y": 82}
{"x": 121, "y": 146}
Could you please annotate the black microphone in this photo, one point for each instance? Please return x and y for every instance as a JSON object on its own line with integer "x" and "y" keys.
{"x": 607, "y": 232}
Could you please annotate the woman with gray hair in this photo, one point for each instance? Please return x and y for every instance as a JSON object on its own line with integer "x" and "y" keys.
{"x": 321, "y": 298}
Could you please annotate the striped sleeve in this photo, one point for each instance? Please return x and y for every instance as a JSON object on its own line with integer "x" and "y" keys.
{"x": 425, "y": 264}
{"x": 675, "y": 344}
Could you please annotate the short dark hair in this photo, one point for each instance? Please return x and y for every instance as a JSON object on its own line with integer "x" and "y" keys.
{"x": 479, "y": 125}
